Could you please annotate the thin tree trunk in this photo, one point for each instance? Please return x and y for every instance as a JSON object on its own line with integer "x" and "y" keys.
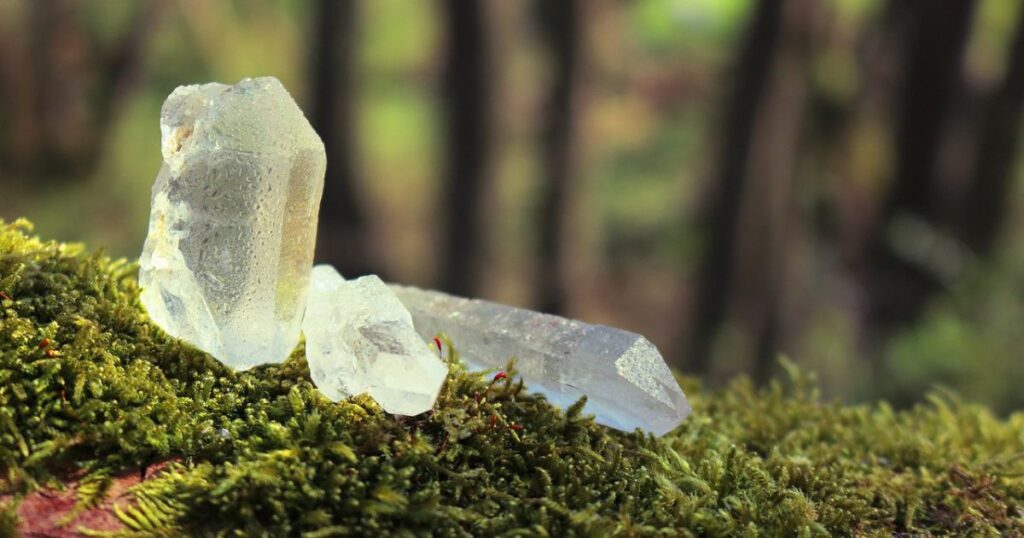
{"x": 937, "y": 35}
{"x": 766, "y": 243}
{"x": 342, "y": 236}
{"x": 985, "y": 203}
{"x": 466, "y": 94}
{"x": 560, "y": 23}
{"x": 121, "y": 71}
{"x": 19, "y": 131}
{"x": 715, "y": 273}
{"x": 58, "y": 85}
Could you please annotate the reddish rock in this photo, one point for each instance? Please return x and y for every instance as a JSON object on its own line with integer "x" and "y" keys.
{"x": 43, "y": 511}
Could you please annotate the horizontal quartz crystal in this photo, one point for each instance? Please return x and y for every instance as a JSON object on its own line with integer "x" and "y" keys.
{"x": 626, "y": 381}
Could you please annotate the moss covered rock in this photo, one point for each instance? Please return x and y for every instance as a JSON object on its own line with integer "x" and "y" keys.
{"x": 91, "y": 390}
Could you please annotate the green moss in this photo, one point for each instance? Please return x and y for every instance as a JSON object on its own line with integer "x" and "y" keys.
{"x": 89, "y": 387}
{"x": 8, "y": 520}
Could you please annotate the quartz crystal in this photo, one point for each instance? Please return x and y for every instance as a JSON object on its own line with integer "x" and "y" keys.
{"x": 233, "y": 220}
{"x": 626, "y": 382}
{"x": 359, "y": 338}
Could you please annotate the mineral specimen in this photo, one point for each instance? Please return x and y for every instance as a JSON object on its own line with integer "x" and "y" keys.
{"x": 626, "y": 382}
{"x": 233, "y": 220}
{"x": 359, "y": 338}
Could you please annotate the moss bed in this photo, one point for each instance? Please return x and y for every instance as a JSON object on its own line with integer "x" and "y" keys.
{"x": 92, "y": 392}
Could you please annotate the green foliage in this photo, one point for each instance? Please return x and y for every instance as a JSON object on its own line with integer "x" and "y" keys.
{"x": 969, "y": 339}
{"x": 90, "y": 388}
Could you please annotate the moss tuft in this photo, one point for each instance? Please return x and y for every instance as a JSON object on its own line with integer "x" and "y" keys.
{"x": 9, "y": 520}
{"x": 89, "y": 388}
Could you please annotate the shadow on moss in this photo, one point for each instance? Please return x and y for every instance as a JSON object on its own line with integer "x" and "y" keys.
{"x": 90, "y": 388}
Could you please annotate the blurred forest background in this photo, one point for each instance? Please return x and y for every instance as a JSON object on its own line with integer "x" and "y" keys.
{"x": 835, "y": 181}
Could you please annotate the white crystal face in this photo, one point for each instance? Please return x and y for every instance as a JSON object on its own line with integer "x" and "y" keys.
{"x": 360, "y": 338}
{"x": 627, "y": 383}
{"x": 233, "y": 220}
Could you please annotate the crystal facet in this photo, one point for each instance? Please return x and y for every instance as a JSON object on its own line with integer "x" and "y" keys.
{"x": 233, "y": 220}
{"x": 626, "y": 381}
{"x": 359, "y": 338}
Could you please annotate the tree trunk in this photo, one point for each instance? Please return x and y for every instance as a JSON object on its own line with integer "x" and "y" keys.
{"x": 766, "y": 241}
{"x": 715, "y": 273}
{"x": 897, "y": 288}
{"x": 57, "y": 83}
{"x": 121, "y": 70}
{"x": 466, "y": 95}
{"x": 342, "y": 235}
{"x": 985, "y": 202}
{"x": 560, "y": 23}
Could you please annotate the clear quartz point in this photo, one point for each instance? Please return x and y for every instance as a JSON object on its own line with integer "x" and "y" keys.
{"x": 233, "y": 220}
{"x": 359, "y": 338}
{"x": 626, "y": 381}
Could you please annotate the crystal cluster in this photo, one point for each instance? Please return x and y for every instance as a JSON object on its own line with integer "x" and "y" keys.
{"x": 359, "y": 338}
{"x": 233, "y": 221}
{"x": 626, "y": 382}
{"x": 227, "y": 266}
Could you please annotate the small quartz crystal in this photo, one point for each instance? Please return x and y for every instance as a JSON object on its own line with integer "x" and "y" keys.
{"x": 360, "y": 338}
{"x": 233, "y": 220}
{"x": 627, "y": 383}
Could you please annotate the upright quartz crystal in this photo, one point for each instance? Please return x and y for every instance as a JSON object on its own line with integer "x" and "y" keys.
{"x": 359, "y": 338}
{"x": 233, "y": 221}
{"x": 626, "y": 382}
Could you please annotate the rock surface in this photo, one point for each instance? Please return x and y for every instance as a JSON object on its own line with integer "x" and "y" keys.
{"x": 360, "y": 338}
{"x": 233, "y": 220}
{"x": 626, "y": 381}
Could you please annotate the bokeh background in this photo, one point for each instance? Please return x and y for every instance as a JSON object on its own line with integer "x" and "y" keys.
{"x": 834, "y": 181}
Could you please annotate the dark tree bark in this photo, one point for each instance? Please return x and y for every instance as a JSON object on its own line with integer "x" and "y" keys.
{"x": 769, "y": 209}
{"x": 342, "y": 235}
{"x": 715, "y": 273}
{"x": 560, "y": 24}
{"x": 20, "y": 132}
{"x": 936, "y": 37}
{"x": 57, "y": 84}
{"x": 466, "y": 94}
{"x": 985, "y": 202}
